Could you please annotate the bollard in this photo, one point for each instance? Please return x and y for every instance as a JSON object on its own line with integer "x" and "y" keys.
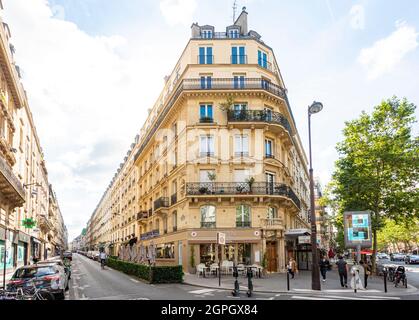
{"x": 236, "y": 291}
{"x": 288, "y": 281}
{"x": 249, "y": 282}
{"x": 385, "y": 279}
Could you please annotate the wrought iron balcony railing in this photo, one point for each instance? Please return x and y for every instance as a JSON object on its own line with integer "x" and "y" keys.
{"x": 241, "y": 188}
{"x": 238, "y": 59}
{"x": 259, "y": 116}
{"x": 208, "y": 224}
{"x": 206, "y": 120}
{"x": 162, "y": 202}
{"x": 271, "y": 223}
{"x": 150, "y": 235}
{"x": 216, "y": 84}
{"x": 243, "y": 224}
{"x": 205, "y": 59}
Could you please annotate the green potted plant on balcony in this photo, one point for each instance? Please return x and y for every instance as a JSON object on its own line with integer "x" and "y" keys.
{"x": 228, "y": 104}
{"x": 211, "y": 177}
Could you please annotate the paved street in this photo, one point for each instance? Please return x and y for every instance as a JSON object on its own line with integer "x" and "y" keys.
{"x": 90, "y": 282}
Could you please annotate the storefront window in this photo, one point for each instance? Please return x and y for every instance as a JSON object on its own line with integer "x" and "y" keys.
{"x": 229, "y": 252}
{"x": 9, "y": 258}
{"x": 165, "y": 251}
{"x": 207, "y": 253}
{"x": 244, "y": 253}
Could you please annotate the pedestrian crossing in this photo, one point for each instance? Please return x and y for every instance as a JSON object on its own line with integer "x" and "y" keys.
{"x": 335, "y": 297}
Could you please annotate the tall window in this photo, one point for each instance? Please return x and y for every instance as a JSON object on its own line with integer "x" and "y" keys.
{"x": 208, "y": 217}
{"x": 207, "y": 145}
{"x": 262, "y": 59}
{"x": 174, "y": 220}
{"x": 238, "y": 55}
{"x": 269, "y": 148}
{"x": 243, "y": 216}
{"x": 205, "y": 112}
{"x": 238, "y": 82}
{"x": 241, "y": 145}
{"x": 205, "y": 55}
{"x": 239, "y": 110}
{"x": 270, "y": 181}
{"x": 268, "y": 114}
{"x": 206, "y": 82}
{"x": 272, "y": 213}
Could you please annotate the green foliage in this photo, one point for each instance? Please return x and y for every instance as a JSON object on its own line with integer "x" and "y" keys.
{"x": 250, "y": 181}
{"x": 228, "y": 104}
{"x": 152, "y": 274}
{"x": 395, "y": 233}
{"x": 377, "y": 167}
{"x": 211, "y": 176}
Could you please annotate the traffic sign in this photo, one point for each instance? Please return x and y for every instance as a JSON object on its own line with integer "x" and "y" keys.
{"x": 221, "y": 238}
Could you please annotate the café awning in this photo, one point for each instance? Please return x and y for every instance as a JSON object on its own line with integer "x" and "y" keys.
{"x": 294, "y": 233}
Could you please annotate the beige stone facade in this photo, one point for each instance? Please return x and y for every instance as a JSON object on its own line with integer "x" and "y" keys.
{"x": 219, "y": 152}
{"x": 24, "y": 189}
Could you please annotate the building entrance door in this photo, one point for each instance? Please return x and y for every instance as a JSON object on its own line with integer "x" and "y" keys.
{"x": 272, "y": 256}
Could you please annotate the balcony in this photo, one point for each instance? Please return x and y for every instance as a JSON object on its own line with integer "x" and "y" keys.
{"x": 243, "y": 224}
{"x": 223, "y": 35}
{"x": 44, "y": 223}
{"x": 150, "y": 235}
{"x": 142, "y": 215}
{"x": 238, "y": 59}
{"x": 208, "y": 225}
{"x": 262, "y": 116}
{"x": 216, "y": 84}
{"x": 271, "y": 223}
{"x": 206, "y": 154}
{"x": 241, "y": 188}
{"x": 10, "y": 185}
{"x": 206, "y": 120}
{"x": 173, "y": 199}
{"x": 162, "y": 202}
{"x": 205, "y": 59}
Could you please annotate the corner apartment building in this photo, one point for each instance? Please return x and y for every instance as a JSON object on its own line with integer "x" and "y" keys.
{"x": 219, "y": 152}
{"x": 24, "y": 187}
{"x": 323, "y": 220}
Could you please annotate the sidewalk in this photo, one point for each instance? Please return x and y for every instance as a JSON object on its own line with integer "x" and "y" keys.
{"x": 277, "y": 283}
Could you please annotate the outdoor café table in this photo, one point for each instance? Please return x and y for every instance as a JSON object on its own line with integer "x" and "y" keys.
{"x": 214, "y": 267}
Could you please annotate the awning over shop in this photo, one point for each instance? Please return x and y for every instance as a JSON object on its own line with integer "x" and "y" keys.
{"x": 295, "y": 233}
{"x": 36, "y": 240}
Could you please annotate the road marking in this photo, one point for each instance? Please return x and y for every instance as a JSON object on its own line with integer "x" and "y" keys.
{"x": 278, "y": 295}
{"x": 140, "y": 299}
{"x": 349, "y": 298}
{"x": 201, "y": 291}
{"x": 309, "y": 298}
{"x": 380, "y": 297}
{"x": 133, "y": 280}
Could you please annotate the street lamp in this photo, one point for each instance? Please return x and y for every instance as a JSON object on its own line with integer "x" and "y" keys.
{"x": 316, "y": 107}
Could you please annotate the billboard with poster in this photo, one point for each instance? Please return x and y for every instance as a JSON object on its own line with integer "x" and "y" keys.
{"x": 357, "y": 228}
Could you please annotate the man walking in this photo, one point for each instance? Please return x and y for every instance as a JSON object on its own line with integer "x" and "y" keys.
{"x": 324, "y": 266}
{"x": 343, "y": 271}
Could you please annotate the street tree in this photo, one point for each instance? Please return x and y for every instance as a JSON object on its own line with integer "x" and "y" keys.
{"x": 377, "y": 169}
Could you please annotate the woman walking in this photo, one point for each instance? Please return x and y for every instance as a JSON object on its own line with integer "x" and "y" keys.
{"x": 324, "y": 266}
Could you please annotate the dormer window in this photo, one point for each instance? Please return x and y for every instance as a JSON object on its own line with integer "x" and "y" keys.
{"x": 233, "y": 33}
{"x": 207, "y": 34}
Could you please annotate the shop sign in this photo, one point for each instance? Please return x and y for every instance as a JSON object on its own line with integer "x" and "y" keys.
{"x": 221, "y": 238}
{"x": 304, "y": 239}
{"x": 357, "y": 229}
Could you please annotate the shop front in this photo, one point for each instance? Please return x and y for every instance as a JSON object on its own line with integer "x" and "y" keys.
{"x": 298, "y": 246}
{"x": 7, "y": 248}
{"x": 36, "y": 249}
{"x": 22, "y": 249}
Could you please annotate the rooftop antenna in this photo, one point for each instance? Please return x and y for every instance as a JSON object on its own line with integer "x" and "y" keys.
{"x": 234, "y": 10}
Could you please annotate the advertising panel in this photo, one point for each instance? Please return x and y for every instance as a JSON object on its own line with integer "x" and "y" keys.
{"x": 357, "y": 228}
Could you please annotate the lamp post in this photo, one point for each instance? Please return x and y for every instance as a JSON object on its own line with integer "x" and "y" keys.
{"x": 316, "y": 107}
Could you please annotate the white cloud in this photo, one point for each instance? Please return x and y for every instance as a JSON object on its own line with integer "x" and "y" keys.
{"x": 357, "y": 14}
{"x": 178, "y": 11}
{"x": 387, "y": 53}
{"x": 88, "y": 100}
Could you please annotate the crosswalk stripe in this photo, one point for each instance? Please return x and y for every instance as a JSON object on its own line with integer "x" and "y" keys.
{"x": 201, "y": 291}
{"x": 310, "y": 298}
{"x": 380, "y": 297}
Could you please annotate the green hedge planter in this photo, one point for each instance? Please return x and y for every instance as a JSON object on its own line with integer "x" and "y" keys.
{"x": 154, "y": 274}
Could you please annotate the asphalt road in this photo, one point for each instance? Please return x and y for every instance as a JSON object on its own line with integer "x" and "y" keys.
{"x": 90, "y": 282}
{"x": 412, "y": 272}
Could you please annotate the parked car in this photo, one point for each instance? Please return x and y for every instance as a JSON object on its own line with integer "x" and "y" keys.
{"x": 58, "y": 261}
{"x": 51, "y": 277}
{"x": 383, "y": 256}
{"x": 398, "y": 257}
{"x": 412, "y": 259}
{"x": 96, "y": 255}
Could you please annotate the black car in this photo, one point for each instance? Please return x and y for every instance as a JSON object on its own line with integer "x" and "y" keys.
{"x": 50, "y": 277}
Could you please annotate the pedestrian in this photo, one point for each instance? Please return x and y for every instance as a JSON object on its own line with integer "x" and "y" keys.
{"x": 343, "y": 271}
{"x": 292, "y": 267}
{"x": 331, "y": 254}
{"x": 324, "y": 266}
{"x": 367, "y": 271}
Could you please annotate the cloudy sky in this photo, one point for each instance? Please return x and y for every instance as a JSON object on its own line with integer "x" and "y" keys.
{"x": 92, "y": 68}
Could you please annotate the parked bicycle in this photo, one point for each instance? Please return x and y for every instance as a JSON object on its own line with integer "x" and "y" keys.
{"x": 30, "y": 292}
